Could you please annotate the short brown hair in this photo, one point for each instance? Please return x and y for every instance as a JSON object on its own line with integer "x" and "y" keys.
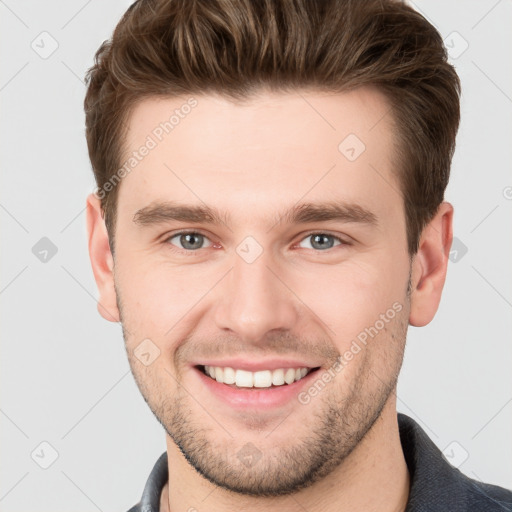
{"x": 238, "y": 47}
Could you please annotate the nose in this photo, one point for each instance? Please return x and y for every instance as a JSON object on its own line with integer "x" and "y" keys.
{"x": 255, "y": 300}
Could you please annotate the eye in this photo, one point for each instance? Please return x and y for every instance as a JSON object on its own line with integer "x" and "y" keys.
{"x": 323, "y": 241}
{"x": 189, "y": 240}
{"x": 192, "y": 241}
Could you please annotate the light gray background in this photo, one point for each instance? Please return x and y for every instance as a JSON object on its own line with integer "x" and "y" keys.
{"x": 65, "y": 378}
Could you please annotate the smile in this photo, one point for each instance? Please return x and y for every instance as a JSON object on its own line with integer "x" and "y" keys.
{"x": 260, "y": 379}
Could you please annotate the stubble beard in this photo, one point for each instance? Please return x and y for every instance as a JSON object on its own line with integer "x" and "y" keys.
{"x": 337, "y": 422}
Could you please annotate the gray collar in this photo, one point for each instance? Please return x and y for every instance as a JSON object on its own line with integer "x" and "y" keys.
{"x": 436, "y": 486}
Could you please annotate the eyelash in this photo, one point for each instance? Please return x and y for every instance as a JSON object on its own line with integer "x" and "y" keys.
{"x": 192, "y": 252}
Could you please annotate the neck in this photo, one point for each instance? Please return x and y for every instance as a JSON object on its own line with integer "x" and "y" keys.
{"x": 374, "y": 477}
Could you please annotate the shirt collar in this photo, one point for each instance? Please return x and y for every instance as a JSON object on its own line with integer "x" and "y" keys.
{"x": 435, "y": 485}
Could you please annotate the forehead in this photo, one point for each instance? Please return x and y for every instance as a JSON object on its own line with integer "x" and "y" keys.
{"x": 275, "y": 147}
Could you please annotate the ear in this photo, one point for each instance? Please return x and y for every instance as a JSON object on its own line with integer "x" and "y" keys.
{"x": 101, "y": 260}
{"x": 430, "y": 265}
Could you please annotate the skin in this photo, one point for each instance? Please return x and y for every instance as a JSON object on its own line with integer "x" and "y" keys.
{"x": 253, "y": 160}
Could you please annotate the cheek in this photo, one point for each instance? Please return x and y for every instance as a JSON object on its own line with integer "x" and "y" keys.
{"x": 156, "y": 296}
{"x": 350, "y": 294}
{"x": 160, "y": 300}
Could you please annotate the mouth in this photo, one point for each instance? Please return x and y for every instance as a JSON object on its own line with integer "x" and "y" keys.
{"x": 250, "y": 385}
{"x": 262, "y": 379}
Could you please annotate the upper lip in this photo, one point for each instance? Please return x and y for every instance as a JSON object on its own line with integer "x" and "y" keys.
{"x": 254, "y": 366}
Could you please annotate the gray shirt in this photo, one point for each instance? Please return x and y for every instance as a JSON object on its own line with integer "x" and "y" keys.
{"x": 436, "y": 486}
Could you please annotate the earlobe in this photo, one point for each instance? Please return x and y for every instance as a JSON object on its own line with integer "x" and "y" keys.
{"x": 430, "y": 265}
{"x": 102, "y": 261}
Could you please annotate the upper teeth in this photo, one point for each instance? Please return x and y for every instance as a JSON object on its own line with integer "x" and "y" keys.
{"x": 261, "y": 379}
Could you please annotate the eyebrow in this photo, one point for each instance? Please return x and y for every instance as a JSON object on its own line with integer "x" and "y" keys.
{"x": 160, "y": 212}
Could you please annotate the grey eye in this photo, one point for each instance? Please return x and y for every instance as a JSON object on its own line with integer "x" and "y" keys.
{"x": 189, "y": 241}
{"x": 322, "y": 241}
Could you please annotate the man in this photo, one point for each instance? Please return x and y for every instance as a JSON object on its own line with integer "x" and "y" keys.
{"x": 268, "y": 221}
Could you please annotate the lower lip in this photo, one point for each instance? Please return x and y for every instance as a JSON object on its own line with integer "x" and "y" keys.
{"x": 256, "y": 398}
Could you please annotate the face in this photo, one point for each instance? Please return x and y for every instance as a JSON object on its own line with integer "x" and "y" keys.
{"x": 264, "y": 243}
